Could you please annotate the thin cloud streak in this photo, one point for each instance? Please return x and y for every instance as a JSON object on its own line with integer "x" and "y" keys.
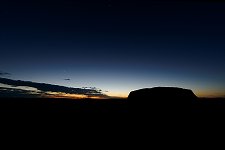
{"x": 4, "y": 73}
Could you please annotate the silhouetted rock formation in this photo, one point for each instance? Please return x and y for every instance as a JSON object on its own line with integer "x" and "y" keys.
{"x": 162, "y": 93}
{"x": 161, "y": 99}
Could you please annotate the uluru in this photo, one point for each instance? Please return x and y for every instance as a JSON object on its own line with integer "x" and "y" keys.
{"x": 161, "y": 99}
{"x": 162, "y": 93}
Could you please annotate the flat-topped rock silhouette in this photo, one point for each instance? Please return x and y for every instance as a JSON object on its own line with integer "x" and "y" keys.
{"x": 162, "y": 93}
{"x": 161, "y": 99}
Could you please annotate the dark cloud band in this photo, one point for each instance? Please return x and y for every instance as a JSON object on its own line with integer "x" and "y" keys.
{"x": 43, "y": 87}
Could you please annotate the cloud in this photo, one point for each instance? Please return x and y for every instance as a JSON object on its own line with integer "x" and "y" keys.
{"x": 4, "y": 73}
{"x": 67, "y": 79}
{"x": 44, "y": 88}
{"x": 18, "y": 93}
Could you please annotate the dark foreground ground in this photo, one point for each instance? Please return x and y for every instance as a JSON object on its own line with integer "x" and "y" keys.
{"x": 17, "y": 105}
{"x": 111, "y": 114}
{"x": 117, "y": 117}
{"x": 45, "y": 105}
{"x": 208, "y": 105}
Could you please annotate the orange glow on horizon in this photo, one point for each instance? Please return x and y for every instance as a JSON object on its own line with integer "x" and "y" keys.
{"x": 71, "y": 96}
{"x": 210, "y": 93}
{"x": 117, "y": 95}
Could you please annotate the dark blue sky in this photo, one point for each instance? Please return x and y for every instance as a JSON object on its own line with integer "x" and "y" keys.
{"x": 116, "y": 46}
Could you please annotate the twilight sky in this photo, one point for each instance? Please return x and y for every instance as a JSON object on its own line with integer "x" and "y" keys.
{"x": 115, "y": 45}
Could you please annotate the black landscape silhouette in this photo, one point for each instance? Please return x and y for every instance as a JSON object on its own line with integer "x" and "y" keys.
{"x": 149, "y": 100}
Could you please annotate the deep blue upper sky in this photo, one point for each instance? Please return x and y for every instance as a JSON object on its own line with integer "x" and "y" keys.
{"x": 117, "y": 46}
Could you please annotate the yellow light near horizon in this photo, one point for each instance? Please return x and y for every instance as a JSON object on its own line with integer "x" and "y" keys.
{"x": 119, "y": 95}
{"x": 210, "y": 93}
{"x": 71, "y": 96}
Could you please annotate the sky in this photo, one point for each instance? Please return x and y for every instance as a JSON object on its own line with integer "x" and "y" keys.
{"x": 115, "y": 45}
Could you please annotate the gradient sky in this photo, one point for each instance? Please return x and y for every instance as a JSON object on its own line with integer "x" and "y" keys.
{"x": 115, "y": 45}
